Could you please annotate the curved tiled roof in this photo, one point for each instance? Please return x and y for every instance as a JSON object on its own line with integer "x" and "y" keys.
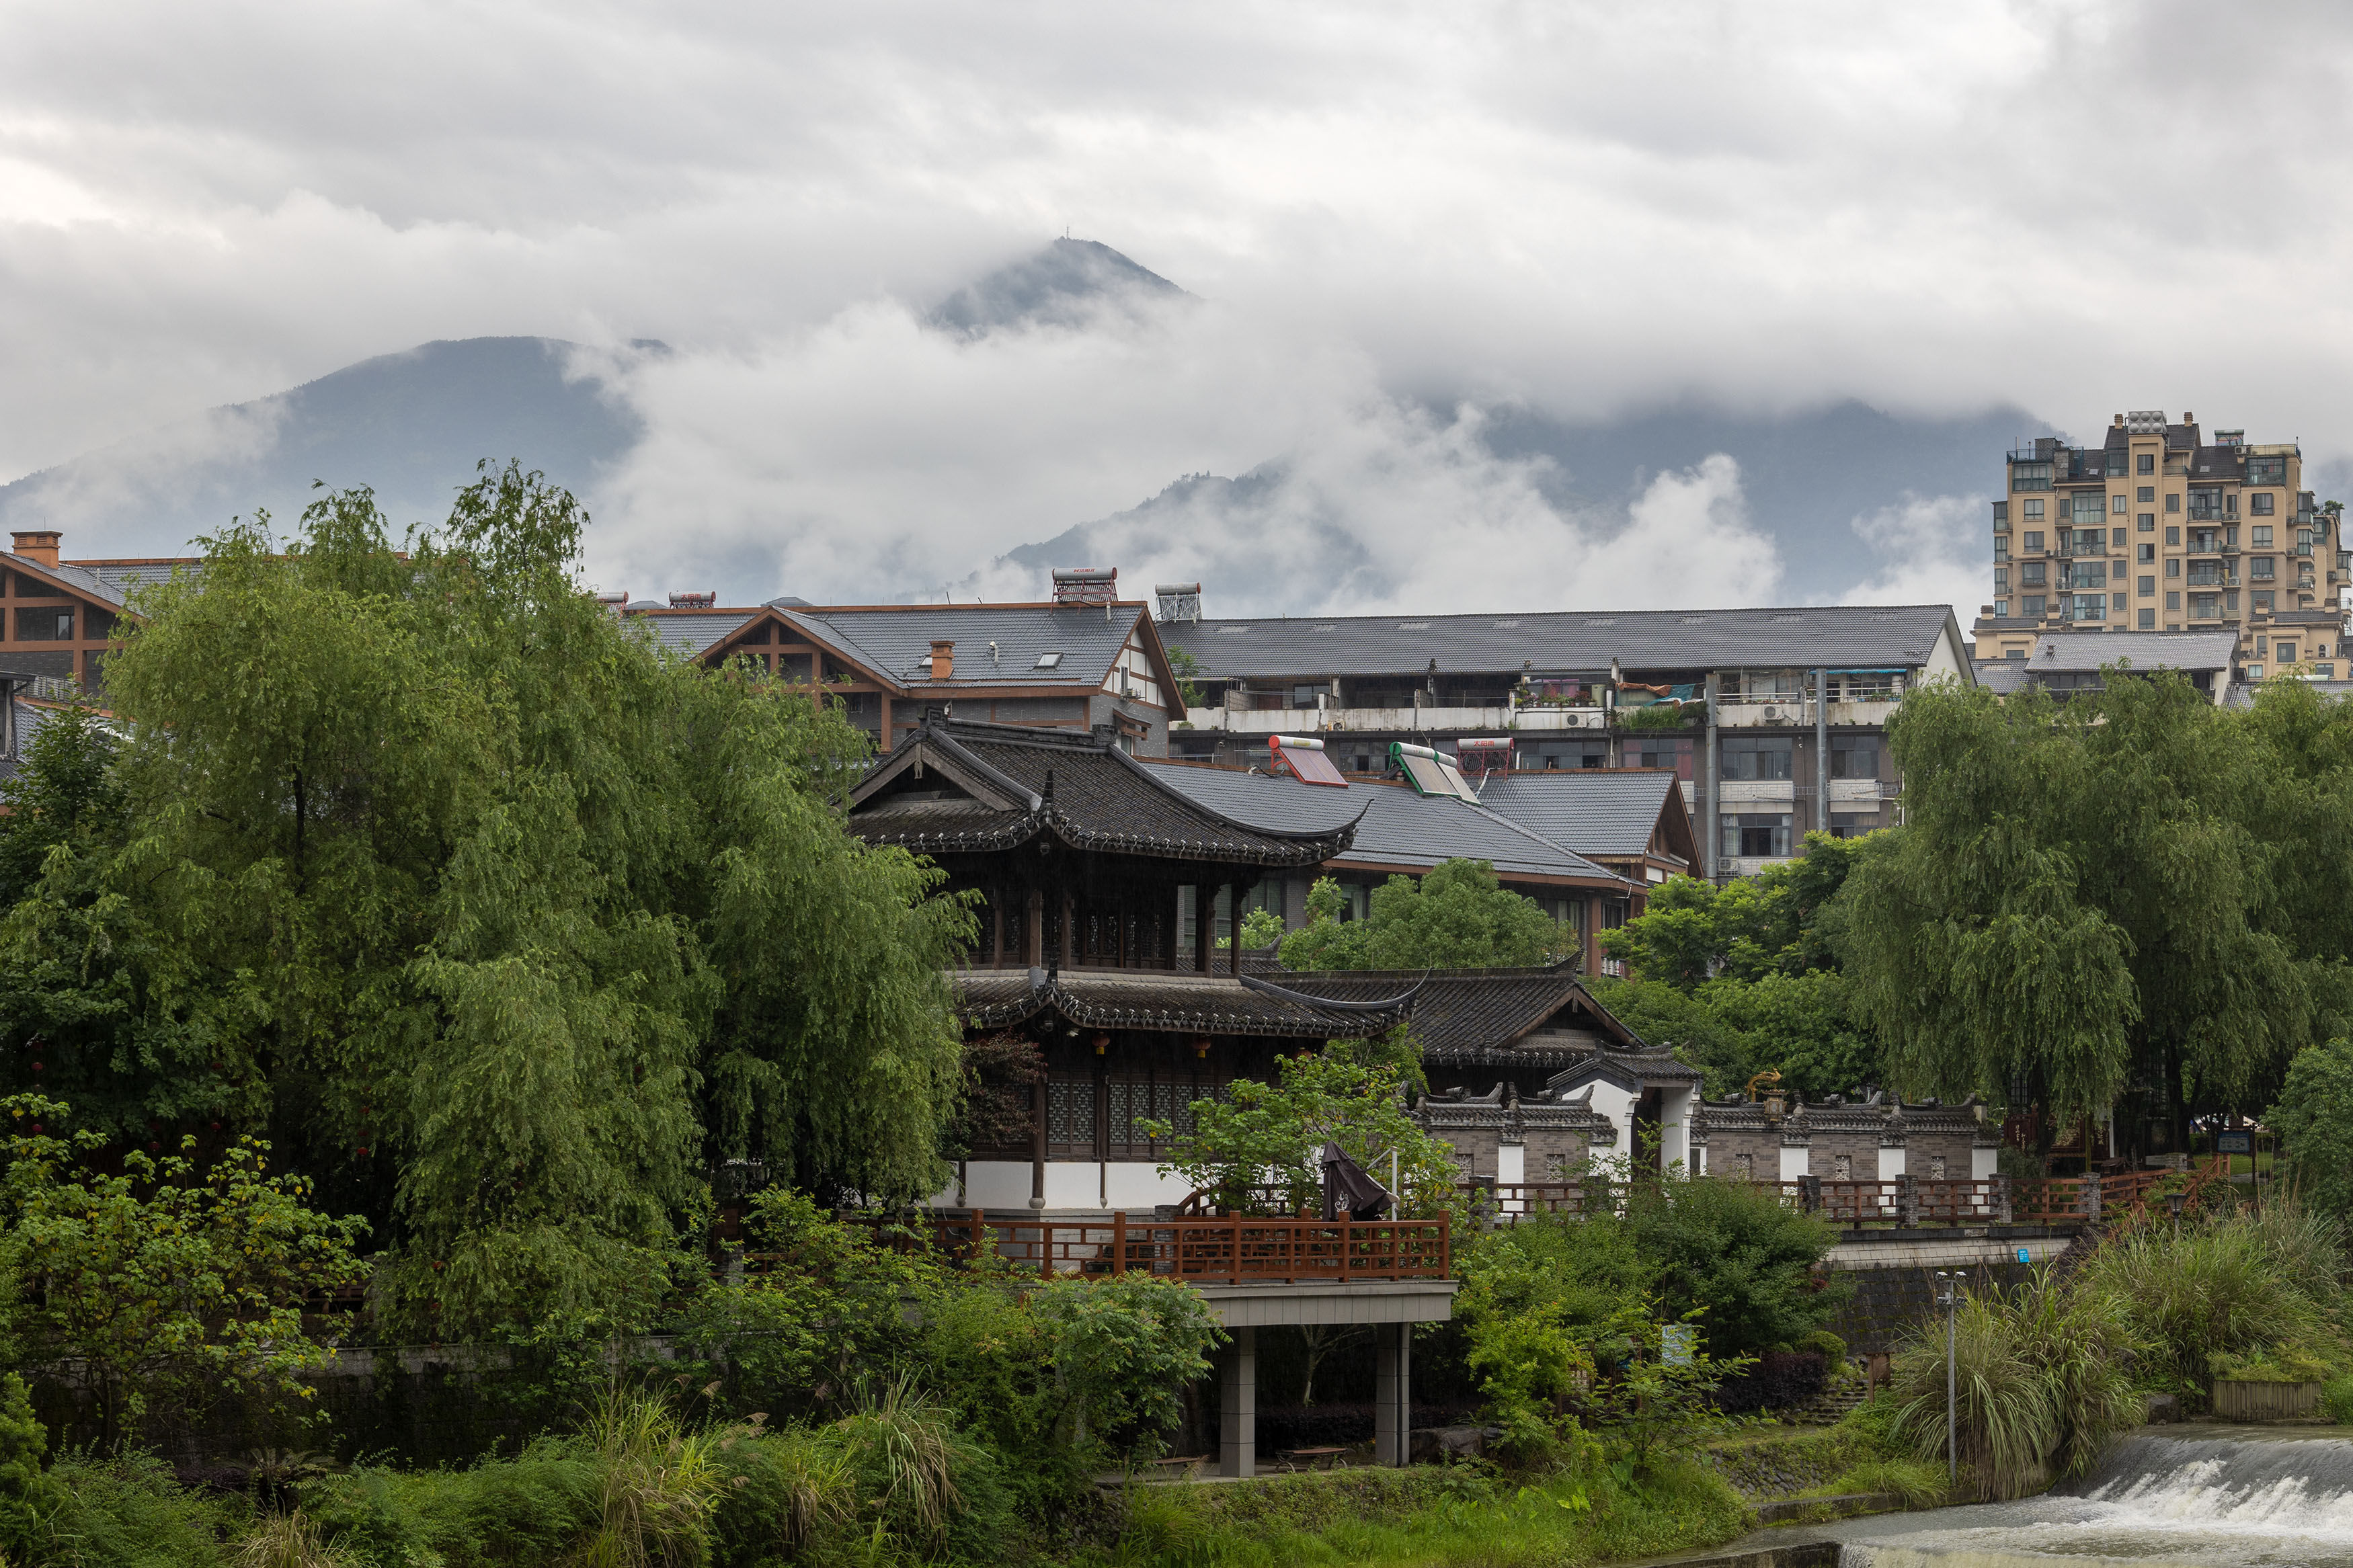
{"x": 1084, "y": 790}
{"x": 1174, "y": 1002}
{"x": 1484, "y": 1017}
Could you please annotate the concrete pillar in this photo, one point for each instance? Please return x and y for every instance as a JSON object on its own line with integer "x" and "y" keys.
{"x": 1238, "y": 1405}
{"x": 1393, "y": 1393}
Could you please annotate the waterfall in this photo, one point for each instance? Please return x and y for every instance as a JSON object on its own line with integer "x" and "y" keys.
{"x": 2238, "y": 1500}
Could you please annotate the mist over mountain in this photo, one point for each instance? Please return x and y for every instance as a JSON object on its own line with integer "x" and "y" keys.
{"x": 1357, "y": 499}
{"x": 1071, "y": 283}
{"x": 411, "y": 424}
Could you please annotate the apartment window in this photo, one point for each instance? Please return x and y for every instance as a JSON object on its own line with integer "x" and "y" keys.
{"x": 2116, "y": 537}
{"x": 2324, "y": 672}
{"x": 2255, "y": 672}
{"x": 2001, "y": 579}
{"x": 2002, "y": 514}
{"x": 2032, "y": 606}
{"x": 2260, "y": 536}
{"x": 2034, "y": 513}
{"x": 2144, "y": 464}
{"x": 1303, "y": 696}
{"x": 2148, "y": 587}
{"x": 1658, "y": 754}
{"x": 2030, "y": 476}
{"x": 2267, "y": 470}
{"x": 2084, "y": 574}
{"x": 2172, "y": 600}
{"x": 2282, "y": 653}
{"x": 2001, "y": 550}
{"x": 2146, "y": 494}
{"x": 2148, "y": 554}
{"x": 2148, "y": 521}
{"x": 2173, "y": 568}
{"x": 2013, "y": 653}
{"x": 2149, "y": 620}
{"x": 2205, "y": 606}
{"x": 2117, "y": 502}
{"x": 1854, "y": 757}
{"x": 2261, "y": 602}
{"x": 2088, "y": 607}
{"x": 46, "y": 624}
{"x": 2173, "y": 501}
{"x": 2088, "y": 506}
{"x": 2116, "y": 604}
{"x": 2001, "y": 609}
{"x": 2260, "y": 568}
{"x": 2034, "y": 574}
{"x": 1750, "y": 757}
{"x": 1757, "y": 835}
{"x": 1852, "y": 823}
{"x": 2173, "y": 534}
{"x": 2262, "y": 503}
{"x": 2033, "y": 542}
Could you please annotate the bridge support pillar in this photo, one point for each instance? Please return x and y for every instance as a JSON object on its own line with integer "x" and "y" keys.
{"x": 1393, "y": 1393}
{"x": 1238, "y": 1404}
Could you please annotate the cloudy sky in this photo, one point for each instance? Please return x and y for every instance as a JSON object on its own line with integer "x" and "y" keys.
{"x": 1394, "y": 219}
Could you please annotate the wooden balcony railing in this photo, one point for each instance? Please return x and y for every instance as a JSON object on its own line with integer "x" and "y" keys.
{"x": 1899, "y": 1201}
{"x": 1233, "y": 1250}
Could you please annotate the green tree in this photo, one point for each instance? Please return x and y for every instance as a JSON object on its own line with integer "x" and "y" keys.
{"x": 499, "y": 919}
{"x": 1457, "y": 916}
{"x": 171, "y": 1282}
{"x": 2314, "y": 1120}
{"x": 2088, "y": 897}
{"x": 1783, "y": 921}
{"x": 1272, "y": 1136}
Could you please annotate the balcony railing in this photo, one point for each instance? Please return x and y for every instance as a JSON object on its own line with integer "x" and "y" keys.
{"x": 1226, "y": 1250}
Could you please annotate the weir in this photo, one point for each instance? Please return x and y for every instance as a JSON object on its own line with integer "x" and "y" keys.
{"x": 2220, "y": 1497}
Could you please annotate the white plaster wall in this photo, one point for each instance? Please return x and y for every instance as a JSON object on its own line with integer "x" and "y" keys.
{"x": 1069, "y": 1184}
{"x": 1674, "y": 1127}
{"x": 1615, "y": 1103}
{"x": 1794, "y": 1162}
{"x": 1893, "y": 1163}
{"x": 1511, "y": 1163}
{"x": 1983, "y": 1163}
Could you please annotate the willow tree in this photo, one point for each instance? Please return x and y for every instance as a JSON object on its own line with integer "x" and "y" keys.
{"x": 511, "y": 923}
{"x": 2086, "y": 902}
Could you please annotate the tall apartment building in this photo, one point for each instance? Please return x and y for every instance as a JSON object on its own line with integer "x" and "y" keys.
{"x": 2159, "y": 528}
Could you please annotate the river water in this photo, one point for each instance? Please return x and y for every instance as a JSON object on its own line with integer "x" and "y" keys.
{"x": 2211, "y": 1497}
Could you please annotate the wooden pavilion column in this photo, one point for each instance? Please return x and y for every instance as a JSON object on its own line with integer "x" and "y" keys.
{"x": 1037, "y": 1148}
{"x": 1033, "y": 930}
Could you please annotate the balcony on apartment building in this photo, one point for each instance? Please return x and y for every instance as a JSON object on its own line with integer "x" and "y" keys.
{"x": 1267, "y": 713}
{"x": 1855, "y": 701}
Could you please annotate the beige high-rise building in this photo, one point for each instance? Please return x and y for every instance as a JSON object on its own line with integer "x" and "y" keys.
{"x": 2158, "y": 528}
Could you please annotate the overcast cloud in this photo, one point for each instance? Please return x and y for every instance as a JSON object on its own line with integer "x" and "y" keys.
{"x": 2073, "y": 207}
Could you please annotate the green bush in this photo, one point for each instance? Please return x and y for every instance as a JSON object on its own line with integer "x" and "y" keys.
{"x": 129, "y": 1512}
{"x": 2042, "y": 1383}
{"x": 1738, "y": 1258}
{"x": 2337, "y": 1400}
{"x": 1823, "y": 1343}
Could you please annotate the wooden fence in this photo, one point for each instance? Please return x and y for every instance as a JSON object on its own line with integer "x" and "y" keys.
{"x": 1900, "y": 1201}
{"x": 1237, "y": 1250}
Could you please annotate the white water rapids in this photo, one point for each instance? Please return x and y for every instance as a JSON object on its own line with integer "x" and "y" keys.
{"x": 2241, "y": 1498}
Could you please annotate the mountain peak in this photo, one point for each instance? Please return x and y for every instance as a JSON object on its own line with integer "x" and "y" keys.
{"x": 1064, "y": 285}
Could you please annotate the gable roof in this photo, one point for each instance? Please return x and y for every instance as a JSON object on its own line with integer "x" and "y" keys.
{"x": 2086, "y": 652}
{"x": 1006, "y": 784}
{"x": 1479, "y": 1017}
{"x": 1396, "y": 827}
{"x": 1596, "y": 811}
{"x": 1897, "y": 637}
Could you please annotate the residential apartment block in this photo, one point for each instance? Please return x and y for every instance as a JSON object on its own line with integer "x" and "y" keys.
{"x": 1773, "y": 719}
{"x": 2159, "y": 529}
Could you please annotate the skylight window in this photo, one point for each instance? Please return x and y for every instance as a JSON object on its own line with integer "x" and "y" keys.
{"x": 1050, "y": 661}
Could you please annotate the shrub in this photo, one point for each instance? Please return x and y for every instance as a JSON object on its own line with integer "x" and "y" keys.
{"x": 1823, "y": 1343}
{"x": 2042, "y": 1381}
{"x": 1738, "y": 1258}
{"x": 29, "y": 1495}
{"x": 2337, "y": 1400}
{"x": 127, "y": 1512}
{"x": 2223, "y": 1287}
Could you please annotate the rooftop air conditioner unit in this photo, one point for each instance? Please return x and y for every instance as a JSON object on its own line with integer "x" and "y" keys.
{"x": 1772, "y": 716}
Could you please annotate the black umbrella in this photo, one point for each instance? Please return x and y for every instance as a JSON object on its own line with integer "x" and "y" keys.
{"x": 1346, "y": 1187}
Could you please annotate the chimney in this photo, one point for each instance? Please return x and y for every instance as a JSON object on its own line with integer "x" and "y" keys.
{"x": 38, "y": 545}
{"x": 942, "y": 659}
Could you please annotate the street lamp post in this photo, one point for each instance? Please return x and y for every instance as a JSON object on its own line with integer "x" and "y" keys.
{"x": 1948, "y": 1297}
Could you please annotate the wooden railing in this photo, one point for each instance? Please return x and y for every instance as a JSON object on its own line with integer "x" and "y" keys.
{"x": 1898, "y": 1201}
{"x": 1233, "y": 1250}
